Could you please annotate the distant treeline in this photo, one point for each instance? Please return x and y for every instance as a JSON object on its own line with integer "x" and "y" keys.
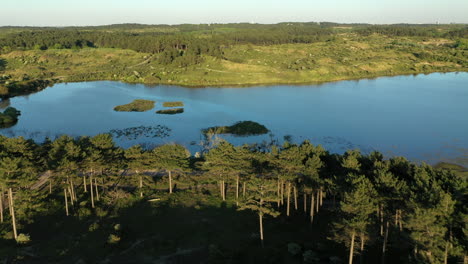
{"x": 414, "y": 31}
{"x": 195, "y": 40}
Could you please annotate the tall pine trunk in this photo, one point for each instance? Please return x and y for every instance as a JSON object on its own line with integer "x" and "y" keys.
{"x": 279, "y": 193}
{"x": 381, "y": 215}
{"x": 321, "y": 196}
{"x": 312, "y": 209}
{"x": 92, "y": 191}
{"x": 446, "y": 252}
{"x": 282, "y": 192}
{"x": 97, "y": 191}
{"x": 221, "y": 188}
{"x": 66, "y": 201}
{"x": 318, "y": 201}
{"x": 384, "y": 247}
{"x": 396, "y": 217}
{"x": 244, "y": 187}
{"x": 361, "y": 257}
{"x": 260, "y": 216}
{"x": 289, "y": 199}
{"x": 305, "y": 202}
{"x": 400, "y": 218}
{"x": 224, "y": 191}
{"x": 237, "y": 190}
{"x": 170, "y": 181}
{"x": 351, "y": 250}
{"x": 141, "y": 186}
{"x": 295, "y": 197}
{"x": 1, "y": 207}
{"x": 50, "y": 186}
{"x": 84, "y": 184}
{"x": 13, "y": 219}
{"x": 71, "y": 197}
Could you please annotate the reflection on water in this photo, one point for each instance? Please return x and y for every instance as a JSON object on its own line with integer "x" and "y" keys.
{"x": 4, "y": 103}
{"x": 421, "y": 117}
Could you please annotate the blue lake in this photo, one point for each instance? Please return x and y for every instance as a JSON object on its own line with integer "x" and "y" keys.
{"x": 423, "y": 117}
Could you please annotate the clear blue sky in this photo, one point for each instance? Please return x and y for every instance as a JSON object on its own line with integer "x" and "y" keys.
{"x": 99, "y": 12}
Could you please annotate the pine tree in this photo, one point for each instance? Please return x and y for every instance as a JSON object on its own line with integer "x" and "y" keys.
{"x": 227, "y": 162}
{"x": 357, "y": 207}
{"x": 171, "y": 157}
{"x": 289, "y": 165}
{"x": 429, "y": 229}
{"x": 259, "y": 199}
{"x": 312, "y": 165}
{"x": 138, "y": 160}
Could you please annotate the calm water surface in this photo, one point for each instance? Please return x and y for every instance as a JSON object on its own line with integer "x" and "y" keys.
{"x": 423, "y": 117}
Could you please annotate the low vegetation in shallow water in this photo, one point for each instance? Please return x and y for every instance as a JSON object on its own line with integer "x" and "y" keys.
{"x": 9, "y": 117}
{"x": 172, "y": 111}
{"x": 138, "y": 105}
{"x": 173, "y": 104}
{"x": 243, "y": 128}
{"x": 131, "y": 133}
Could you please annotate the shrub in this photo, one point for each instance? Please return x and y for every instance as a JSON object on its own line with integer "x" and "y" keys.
{"x": 93, "y": 227}
{"x": 23, "y": 239}
{"x": 113, "y": 239}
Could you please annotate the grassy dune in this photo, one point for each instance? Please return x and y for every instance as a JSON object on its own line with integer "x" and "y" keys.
{"x": 347, "y": 57}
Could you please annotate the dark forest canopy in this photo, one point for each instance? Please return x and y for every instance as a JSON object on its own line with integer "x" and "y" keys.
{"x": 107, "y": 200}
{"x": 200, "y": 39}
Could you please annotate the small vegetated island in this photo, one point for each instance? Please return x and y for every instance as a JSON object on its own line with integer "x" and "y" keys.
{"x": 173, "y": 104}
{"x": 9, "y": 117}
{"x": 171, "y": 111}
{"x": 138, "y": 105}
{"x": 242, "y": 128}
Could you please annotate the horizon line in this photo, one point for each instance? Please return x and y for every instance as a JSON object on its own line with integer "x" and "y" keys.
{"x": 227, "y": 23}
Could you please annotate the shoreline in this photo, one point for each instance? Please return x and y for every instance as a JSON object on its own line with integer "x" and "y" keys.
{"x": 247, "y": 85}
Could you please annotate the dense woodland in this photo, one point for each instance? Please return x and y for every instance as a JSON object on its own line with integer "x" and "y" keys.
{"x": 85, "y": 199}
